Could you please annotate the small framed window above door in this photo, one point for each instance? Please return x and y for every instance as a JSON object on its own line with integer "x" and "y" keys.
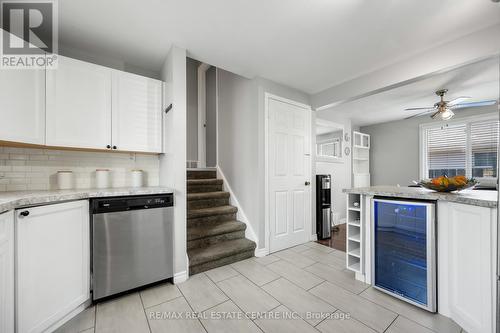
{"x": 329, "y": 141}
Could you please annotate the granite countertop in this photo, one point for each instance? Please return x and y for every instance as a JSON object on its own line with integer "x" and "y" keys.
{"x": 470, "y": 197}
{"x": 17, "y": 199}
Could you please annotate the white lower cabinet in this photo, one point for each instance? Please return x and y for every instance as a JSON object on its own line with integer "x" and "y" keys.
{"x": 53, "y": 263}
{"x": 7, "y": 272}
{"x": 467, "y": 262}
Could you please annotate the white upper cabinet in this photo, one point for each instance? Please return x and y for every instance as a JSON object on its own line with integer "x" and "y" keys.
{"x": 7, "y": 272}
{"x": 137, "y": 113}
{"x": 53, "y": 264}
{"x": 79, "y": 105}
{"x": 22, "y": 106}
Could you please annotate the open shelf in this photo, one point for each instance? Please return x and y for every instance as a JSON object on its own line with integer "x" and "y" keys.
{"x": 356, "y": 223}
{"x": 355, "y": 238}
{"x": 354, "y": 249}
{"x": 355, "y": 267}
{"x": 354, "y": 256}
{"x": 355, "y": 253}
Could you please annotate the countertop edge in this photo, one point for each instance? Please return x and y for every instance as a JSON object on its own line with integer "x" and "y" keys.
{"x": 14, "y": 200}
{"x": 420, "y": 194}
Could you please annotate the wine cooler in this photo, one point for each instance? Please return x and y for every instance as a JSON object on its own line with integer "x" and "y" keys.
{"x": 404, "y": 250}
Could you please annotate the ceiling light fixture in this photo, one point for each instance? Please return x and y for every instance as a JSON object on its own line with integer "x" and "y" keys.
{"x": 443, "y": 113}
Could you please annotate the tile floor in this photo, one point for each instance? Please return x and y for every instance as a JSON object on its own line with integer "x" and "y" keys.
{"x": 302, "y": 289}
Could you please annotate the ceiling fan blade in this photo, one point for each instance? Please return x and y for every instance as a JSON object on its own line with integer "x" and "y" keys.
{"x": 458, "y": 100}
{"x": 416, "y": 109}
{"x": 474, "y": 104}
{"x": 419, "y": 114}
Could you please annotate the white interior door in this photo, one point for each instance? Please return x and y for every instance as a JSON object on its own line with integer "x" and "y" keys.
{"x": 289, "y": 173}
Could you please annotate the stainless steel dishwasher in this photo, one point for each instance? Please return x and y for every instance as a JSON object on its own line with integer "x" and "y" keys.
{"x": 131, "y": 242}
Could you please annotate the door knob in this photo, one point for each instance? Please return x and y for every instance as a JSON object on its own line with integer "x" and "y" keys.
{"x": 307, "y": 183}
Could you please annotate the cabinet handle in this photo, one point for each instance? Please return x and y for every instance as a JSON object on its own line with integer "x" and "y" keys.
{"x": 114, "y": 147}
{"x": 24, "y": 213}
{"x": 108, "y": 146}
{"x": 307, "y": 183}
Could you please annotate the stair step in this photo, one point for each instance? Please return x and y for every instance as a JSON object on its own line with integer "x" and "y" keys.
{"x": 212, "y": 211}
{"x": 207, "y": 200}
{"x": 204, "y": 220}
{"x": 210, "y": 181}
{"x": 213, "y": 233}
{"x": 207, "y": 195}
{"x": 214, "y": 229}
{"x": 204, "y": 188}
{"x": 201, "y": 174}
{"x": 219, "y": 254}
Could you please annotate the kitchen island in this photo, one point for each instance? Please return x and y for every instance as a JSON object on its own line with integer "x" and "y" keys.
{"x": 465, "y": 252}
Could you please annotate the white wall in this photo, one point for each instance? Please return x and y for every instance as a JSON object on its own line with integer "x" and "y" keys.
{"x": 192, "y": 108}
{"x": 338, "y": 173}
{"x": 35, "y": 169}
{"x": 173, "y": 162}
{"x": 211, "y": 129}
{"x": 469, "y": 48}
{"x": 238, "y": 151}
{"x": 241, "y": 140}
{"x": 341, "y": 172}
{"x": 106, "y": 61}
{"x": 394, "y": 147}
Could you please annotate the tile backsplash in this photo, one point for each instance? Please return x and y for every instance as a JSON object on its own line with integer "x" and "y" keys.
{"x": 35, "y": 169}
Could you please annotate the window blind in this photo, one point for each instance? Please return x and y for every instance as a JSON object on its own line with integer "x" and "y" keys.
{"x": 447, "y": 150}
{"x": 484, "y": 142}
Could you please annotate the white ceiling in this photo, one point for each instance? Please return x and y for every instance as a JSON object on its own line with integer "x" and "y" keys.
{"x": 308, "y": 45}
{"x": 479, "y": 81}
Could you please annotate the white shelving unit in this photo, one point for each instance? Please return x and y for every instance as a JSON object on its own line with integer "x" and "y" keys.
{"x": 361, "y": 159}
{"x": 354, "y": 251}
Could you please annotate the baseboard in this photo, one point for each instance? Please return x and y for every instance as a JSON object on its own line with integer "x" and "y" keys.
{"x": 261, "y": 252}
{"x": 69, "y": 316}
{"x": 241, "y": 216}
{"x": 180, "y": 277}
{"x": 314, "y": 238}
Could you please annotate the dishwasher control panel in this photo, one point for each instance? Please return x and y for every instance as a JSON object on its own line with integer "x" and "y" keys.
{"x": 115, "y": 204}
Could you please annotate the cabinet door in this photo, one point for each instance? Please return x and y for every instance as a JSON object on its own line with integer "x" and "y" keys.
{"x": 53, "y": 268}
{"x": 471, "y": 263}
{"x": 7, "y": 272}
{"x": 137, "y": 113}
{"x": 22, "y": 106}
{"x": 78, "y": 105}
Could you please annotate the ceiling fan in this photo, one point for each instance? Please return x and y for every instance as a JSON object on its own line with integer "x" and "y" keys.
{"x": 443, "y": 110}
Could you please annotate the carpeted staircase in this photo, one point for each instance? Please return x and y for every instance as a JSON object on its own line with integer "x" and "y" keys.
{"x": 214, "y": 236}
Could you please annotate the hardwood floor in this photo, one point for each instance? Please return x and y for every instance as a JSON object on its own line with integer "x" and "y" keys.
{"x": 338, "y": 239}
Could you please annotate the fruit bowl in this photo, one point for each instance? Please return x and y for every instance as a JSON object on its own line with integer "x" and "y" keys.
{"x": 445, "y": 184}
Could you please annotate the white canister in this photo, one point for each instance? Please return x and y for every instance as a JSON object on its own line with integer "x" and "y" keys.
{"x": 102, "y": 178}
{"x": 137, "y": 177}
{"x": 65, "y": 180}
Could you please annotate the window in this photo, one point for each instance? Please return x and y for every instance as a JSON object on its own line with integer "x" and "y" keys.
{"x": 330, "y": 148}
{"x": 461, "y": 148}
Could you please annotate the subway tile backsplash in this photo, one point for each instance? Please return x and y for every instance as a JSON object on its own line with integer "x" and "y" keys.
{"x": 35, "y": 169}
